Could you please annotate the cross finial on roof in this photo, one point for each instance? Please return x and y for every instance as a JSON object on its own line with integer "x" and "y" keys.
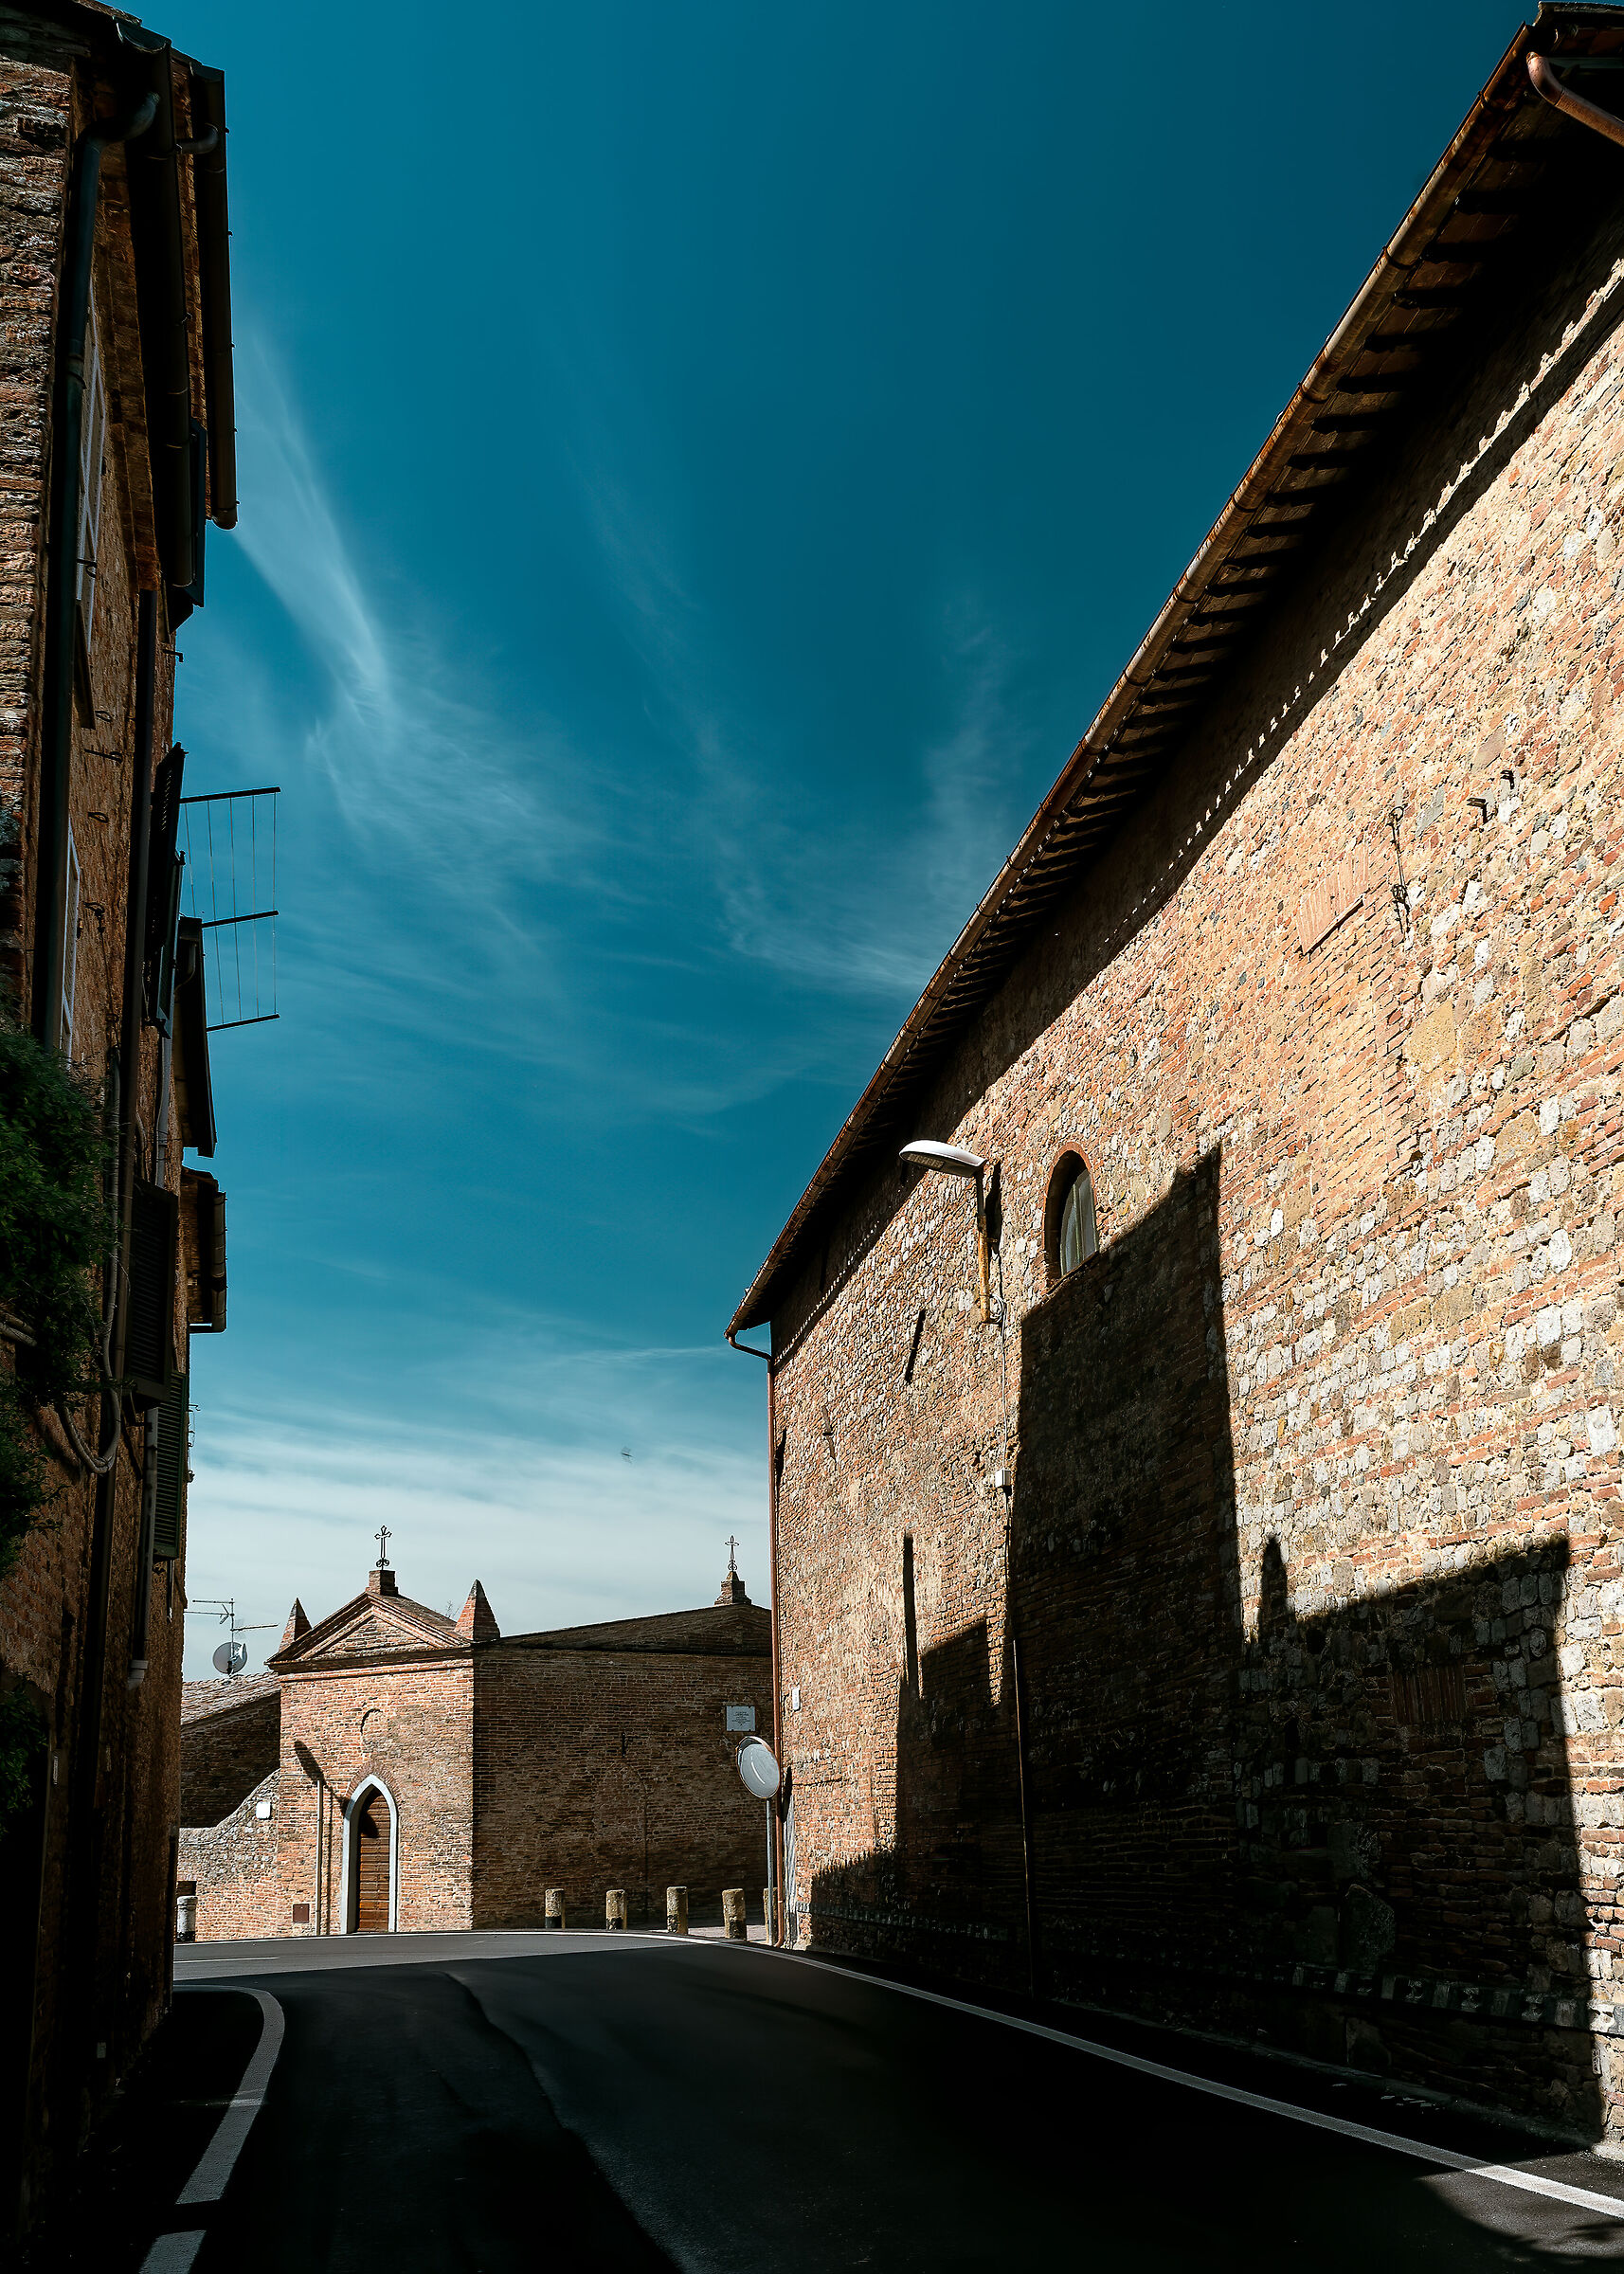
{"x": 733, "y": 1550}
{"x": 382, "y": 1536}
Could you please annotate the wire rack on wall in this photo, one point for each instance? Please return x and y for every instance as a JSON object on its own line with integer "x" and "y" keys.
{"x": 230, "y": 842}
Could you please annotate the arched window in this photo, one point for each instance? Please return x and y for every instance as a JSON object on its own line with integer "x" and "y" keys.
{"x": 1070, "y": 1234}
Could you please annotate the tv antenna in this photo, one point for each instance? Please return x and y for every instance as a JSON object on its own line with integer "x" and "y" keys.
{"x": 232, "y": 1656}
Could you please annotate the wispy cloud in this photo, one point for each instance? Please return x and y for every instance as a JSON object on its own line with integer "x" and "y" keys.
{"x": 858, "y": 903}
{"x": 409, "y": 756}
{"x": 576, "y": 1483}
{"x": 500, "y": 883}
{"x": 873, "y": 912}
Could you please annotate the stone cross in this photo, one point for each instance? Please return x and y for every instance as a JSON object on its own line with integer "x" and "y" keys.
{"x": 382, "y": 1536}
{"x": 733, "y": 1550}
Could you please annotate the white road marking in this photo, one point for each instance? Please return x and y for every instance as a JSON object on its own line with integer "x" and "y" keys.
{"x": 1505, "y": 2175}
{"x": 174, "y": 2253}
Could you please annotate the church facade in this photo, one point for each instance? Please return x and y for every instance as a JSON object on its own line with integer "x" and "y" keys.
{"x": 394, "y": 1769}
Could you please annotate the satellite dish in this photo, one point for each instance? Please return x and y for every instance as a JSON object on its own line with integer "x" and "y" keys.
{"x": 231, "y": 1658}
{"x": 759, "y": 1769}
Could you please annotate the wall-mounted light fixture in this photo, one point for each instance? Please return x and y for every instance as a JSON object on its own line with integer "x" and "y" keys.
{"x": 955, "y": 1161}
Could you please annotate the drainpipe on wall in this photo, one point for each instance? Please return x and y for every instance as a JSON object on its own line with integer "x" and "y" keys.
{"x": 750, "y": 1351}
{"x": 1560, "y": 98}
{"x": 140, "y": 1612}
{"x": 62, "y": 597}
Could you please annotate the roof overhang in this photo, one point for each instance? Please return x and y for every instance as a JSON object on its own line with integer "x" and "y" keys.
{"x": 1436, "y": 270}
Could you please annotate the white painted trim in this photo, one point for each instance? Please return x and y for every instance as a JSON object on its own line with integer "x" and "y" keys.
{"x": 348, "y": 1892}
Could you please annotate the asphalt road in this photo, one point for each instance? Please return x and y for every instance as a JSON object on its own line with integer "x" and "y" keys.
{"x": 584, "y": 2102}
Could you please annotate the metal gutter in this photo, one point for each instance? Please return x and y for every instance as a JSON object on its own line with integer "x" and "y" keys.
{"x": 214, "y": 266}
{"x": 160, "y": 258}
{"x": 1316, "y": 433}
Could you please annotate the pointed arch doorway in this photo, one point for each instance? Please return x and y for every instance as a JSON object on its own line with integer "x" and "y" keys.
{"x": 371, "y": 1860}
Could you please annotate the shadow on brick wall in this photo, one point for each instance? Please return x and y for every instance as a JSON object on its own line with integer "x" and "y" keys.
{"x": 1350, "y": 1834}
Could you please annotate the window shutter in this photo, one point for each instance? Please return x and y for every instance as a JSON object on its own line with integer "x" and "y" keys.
{"x": 163, "y": 887}
{"x": 204, "y": 1228}
{"x": 169, "y": 1528}
{"x": 149, "y": 1340}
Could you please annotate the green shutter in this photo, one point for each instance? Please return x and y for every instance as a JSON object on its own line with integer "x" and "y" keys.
{"x": 168, "y": 1526}
{"x": 148, "y": 1336}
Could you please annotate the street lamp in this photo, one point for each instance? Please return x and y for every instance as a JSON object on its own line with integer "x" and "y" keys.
{"x": 955, "y": 1161}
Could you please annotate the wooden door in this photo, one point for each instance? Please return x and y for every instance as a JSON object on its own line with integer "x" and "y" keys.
{"x": 371, "y": 1835}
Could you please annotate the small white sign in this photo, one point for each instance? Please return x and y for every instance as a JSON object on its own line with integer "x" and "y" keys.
{"x": 741, "y": 1717}
{"x": 262, "y": 1809}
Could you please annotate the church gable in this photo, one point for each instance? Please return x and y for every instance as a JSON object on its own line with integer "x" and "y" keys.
{"x": 378, "y": 1624}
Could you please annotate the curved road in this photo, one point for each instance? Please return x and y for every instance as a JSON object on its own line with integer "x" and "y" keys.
{"x": 583, "y": 2102}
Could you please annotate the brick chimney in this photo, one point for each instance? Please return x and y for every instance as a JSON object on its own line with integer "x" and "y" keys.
{"x": 479, "y": 1621}
{"x": 297, "y": 1625}
{"x": 381, "y": 1583}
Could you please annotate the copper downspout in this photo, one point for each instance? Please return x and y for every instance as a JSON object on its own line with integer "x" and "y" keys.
{"x": 1547, "y": 85}
{"x": 772, "y": 1599}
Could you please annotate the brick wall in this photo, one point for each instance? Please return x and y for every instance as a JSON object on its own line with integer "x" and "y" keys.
{"x": 94, "y": 1933}
{"x": 1311, "y": 1562}
{"x": 34, "y": 106}
{"x": 409, "y": 1725}
{"x": 598, "y": 1768}
{"x": 230, "y": 1740}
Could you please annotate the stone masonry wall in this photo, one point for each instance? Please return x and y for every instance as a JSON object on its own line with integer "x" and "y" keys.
{"x": 232, "y": 1866}
{"x": 230, "y": 1740}
{"x": 598, "y": 1769}
{"x": 1312, "y": 1561}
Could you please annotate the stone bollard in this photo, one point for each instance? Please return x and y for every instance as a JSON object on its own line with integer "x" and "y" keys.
{"x": 615, "y": 1907}
{"x": 733, "y": 1914}
{"x": 185, "y": 1919}
{"x": 676, "y": 1910}
{"x": 555, "y": 1906}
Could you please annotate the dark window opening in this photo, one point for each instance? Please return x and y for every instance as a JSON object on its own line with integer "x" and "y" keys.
{"x": 1070, "y": 1230}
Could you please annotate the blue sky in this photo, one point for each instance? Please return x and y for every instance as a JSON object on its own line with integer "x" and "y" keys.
{"x": 702, "y": 468}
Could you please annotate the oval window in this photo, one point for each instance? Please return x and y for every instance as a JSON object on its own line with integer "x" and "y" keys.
{"x": 1073, "y": 1236}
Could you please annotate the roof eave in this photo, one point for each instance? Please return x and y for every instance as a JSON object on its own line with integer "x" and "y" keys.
{"x": 1506, "y": 90}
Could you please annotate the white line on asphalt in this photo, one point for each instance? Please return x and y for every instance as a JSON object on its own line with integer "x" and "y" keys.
{"x": 1506, "y": 2174}
{"x": 207, "y": 2183}
{"x": 173, "y": 2253}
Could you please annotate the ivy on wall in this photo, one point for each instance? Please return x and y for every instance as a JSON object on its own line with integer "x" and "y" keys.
{"x": 56, "y": 1227}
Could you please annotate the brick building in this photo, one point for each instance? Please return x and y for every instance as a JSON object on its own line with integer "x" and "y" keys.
{"x": 116, "y": 368}
{"x": 1197, "y": 1585}
{"x": 397, "y": 1768}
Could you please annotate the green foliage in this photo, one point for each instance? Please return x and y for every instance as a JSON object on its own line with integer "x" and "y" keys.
{"x": 56, "y": 1226}
{"x": 22, "y": 1756}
